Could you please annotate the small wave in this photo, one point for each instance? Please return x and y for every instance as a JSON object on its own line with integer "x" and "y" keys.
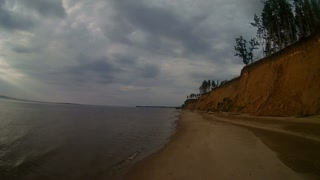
{"x": 125, "y": 163}
{"x": 18, "y": 163}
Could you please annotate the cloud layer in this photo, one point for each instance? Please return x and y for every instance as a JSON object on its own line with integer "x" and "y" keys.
{"x": 142, "y": 52}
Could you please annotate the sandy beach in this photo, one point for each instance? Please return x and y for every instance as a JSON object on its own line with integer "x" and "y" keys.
{"x": 235, "y": 146}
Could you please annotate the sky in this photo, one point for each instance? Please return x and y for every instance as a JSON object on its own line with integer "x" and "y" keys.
{"x": 119, "y": 52}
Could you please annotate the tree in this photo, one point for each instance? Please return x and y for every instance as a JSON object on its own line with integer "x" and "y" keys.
{"x": 282, "y": 22}
{"x": 243, "y": 52}
{"x": 204, "y": 87}
{"x": 213, "y": 84}
{"x": 253, "y": 45}
{"x": 277, "y": 25}
{"x": 261, "y": 33}
{"x": 310, "y": 11}
{"x": 316, "y": 11}
{"x": 192, "y": 96}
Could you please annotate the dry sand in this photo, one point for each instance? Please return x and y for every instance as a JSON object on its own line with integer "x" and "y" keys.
{"x": 208, "y": 146}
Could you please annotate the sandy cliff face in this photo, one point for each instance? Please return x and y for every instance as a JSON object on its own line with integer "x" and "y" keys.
{"x": 284, "y": 84}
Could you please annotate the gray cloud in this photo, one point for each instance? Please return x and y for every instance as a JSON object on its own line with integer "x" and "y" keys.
{"x": 16, "y": 14}
{"x": 125, "y": 60}
{"x": 99, "y": 70}
{"x": 122, "y": 52}
{"x": 12, "y": 21}
{"x": 149, "y": 71}
{"x": 22, "y": 49}
{"x": 164, "y": 23}
{"x": 46, "y": 7}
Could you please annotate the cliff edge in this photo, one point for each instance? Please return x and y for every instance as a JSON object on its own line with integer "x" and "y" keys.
{"x": 286, "y": 83}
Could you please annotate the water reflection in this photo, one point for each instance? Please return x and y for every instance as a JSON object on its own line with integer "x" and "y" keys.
{"x": 300, "y": 154}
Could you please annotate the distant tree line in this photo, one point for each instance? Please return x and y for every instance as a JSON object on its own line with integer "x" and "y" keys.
{"x": 281, "y": 23}
{"x": 193, "y": 96}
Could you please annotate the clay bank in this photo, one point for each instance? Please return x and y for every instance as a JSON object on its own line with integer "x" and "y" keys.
{"x": 286, "y": 83}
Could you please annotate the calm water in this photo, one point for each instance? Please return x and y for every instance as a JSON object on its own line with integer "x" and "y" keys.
{"x": 47, "y": 141}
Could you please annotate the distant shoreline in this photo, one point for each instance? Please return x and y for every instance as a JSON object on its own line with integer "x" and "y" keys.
{"x": 34, "y": 101}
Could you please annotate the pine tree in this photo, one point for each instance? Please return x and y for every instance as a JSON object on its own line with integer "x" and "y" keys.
{"x": 213, "y": 84}
{"x": 204, "y": 87}
{"x": 246, "y": 54}
{"x": 282, "y": 22}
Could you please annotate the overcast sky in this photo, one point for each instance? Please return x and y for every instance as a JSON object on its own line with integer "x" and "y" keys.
{"x": 119, "y": 52}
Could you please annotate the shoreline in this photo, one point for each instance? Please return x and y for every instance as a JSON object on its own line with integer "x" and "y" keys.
{"x": 120, "y": 170}
{"x": 205, "y": 147}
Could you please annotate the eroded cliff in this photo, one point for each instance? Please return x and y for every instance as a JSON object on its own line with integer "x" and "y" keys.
{"x": 284, "y": 84}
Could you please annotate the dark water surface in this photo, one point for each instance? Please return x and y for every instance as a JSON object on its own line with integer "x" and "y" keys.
{"x": 48, "y": 141}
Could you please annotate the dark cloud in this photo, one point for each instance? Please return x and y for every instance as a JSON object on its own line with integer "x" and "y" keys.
{"x": 125, "y": 60}
{"x": 87, "y": 71}
{"x": 22, "y": 49}
{"x": 98, "y": 70}
{"x": 143, "y": 70}
{"x": 149, "y": 71}
{"x": 14, "y": 21}
{"x": 163, "y": 23}
{"x": 51, "y": 8}
{"x": 11, "y": 19}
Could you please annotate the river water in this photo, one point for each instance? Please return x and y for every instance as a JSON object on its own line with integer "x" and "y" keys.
{"x": 54, "y": 141}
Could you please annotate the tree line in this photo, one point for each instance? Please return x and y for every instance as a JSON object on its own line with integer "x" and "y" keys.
{"x": 206, "y": 86}
{"x": 281, "y": 23}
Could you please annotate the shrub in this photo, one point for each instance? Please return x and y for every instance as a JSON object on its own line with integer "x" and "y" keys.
{"x": 226, "y": 105}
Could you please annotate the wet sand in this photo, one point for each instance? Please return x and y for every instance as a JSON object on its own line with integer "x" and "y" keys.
{"x": 226, "y": 146}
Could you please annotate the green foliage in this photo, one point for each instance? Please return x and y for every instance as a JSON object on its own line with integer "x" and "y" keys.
{"x": 277, "y": 20}
{"x": 213, "y": 84}
{"x": 307, "y": 16}
{"x": 244, "y": 52}
{"x": 193, "y": 96}
{"x": 282, "y": 22}
{"x": 205, "y": 87}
